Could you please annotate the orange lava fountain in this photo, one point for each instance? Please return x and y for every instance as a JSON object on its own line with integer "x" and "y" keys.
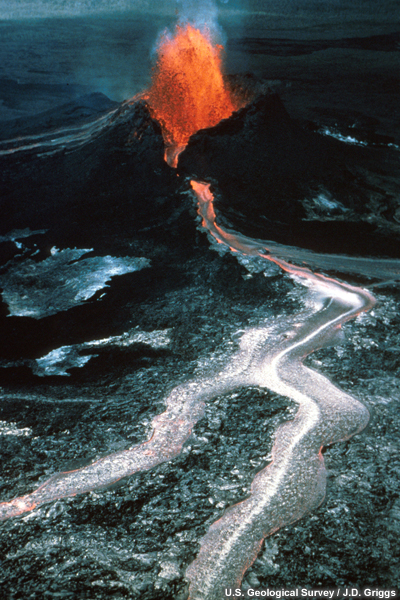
{"x": 188, "y": 92}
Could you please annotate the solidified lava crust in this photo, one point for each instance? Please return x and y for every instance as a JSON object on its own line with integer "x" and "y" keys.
{"x": 123, "y": 200}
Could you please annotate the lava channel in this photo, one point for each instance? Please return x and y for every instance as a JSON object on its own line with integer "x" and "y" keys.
{"x": 294, "y": 482}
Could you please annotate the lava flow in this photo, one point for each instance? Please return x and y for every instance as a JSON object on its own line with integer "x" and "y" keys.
{"x": 188, "y": 91}
{"x": 294, "y": 482}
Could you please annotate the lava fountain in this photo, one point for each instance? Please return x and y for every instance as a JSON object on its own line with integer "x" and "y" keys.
{"x": 188, "y": 92}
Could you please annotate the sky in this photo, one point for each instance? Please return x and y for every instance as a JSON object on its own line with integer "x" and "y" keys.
{"x": 16, "y": 9}
{"x": 10, "y": 9}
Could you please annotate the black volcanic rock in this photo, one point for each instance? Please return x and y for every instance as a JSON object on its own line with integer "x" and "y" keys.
{"x": 260, "y": 157}
{"x": 273, "y": 178}
{"x": 284, "y": 182}
{"x": 118, "y": 171}
{"x": 76, "y": 111}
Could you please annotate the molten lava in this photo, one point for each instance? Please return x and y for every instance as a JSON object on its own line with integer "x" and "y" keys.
{"x": 188, "y": 92}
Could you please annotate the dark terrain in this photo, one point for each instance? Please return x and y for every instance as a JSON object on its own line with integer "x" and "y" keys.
{"x": 127, "y": 345}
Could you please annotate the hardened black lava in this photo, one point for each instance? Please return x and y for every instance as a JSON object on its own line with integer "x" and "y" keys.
{"x": 126, "y": 347}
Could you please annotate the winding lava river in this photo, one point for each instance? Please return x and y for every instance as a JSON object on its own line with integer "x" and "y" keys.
{"x": 294, "y": 482}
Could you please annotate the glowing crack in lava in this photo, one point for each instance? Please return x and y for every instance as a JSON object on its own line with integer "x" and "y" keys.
{"x": 188, "y": 92}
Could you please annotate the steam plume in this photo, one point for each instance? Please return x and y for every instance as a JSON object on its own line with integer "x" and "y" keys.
{"x": 202, "y": 14}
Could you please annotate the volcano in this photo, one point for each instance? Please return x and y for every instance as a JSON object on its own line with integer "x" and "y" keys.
{"x": 156, "y": 319}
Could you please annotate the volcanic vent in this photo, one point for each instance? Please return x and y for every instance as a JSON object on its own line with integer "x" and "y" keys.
{"x": 189, "y": 91}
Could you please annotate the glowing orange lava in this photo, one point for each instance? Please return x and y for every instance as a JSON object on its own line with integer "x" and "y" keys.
{"x": 188, "y": 92}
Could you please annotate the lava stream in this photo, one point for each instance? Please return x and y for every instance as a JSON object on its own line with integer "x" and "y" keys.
{"x": 294, "y": 482}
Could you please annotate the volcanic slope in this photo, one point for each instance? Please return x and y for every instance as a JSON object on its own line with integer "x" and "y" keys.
{"x": 276, "y": 177}
{"x": 126, "y": 347}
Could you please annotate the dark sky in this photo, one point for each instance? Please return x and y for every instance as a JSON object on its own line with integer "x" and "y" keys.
{"x": 44, "y": 8}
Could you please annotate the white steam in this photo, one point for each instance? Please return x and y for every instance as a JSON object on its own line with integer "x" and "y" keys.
{"x": 201, "y": 13}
